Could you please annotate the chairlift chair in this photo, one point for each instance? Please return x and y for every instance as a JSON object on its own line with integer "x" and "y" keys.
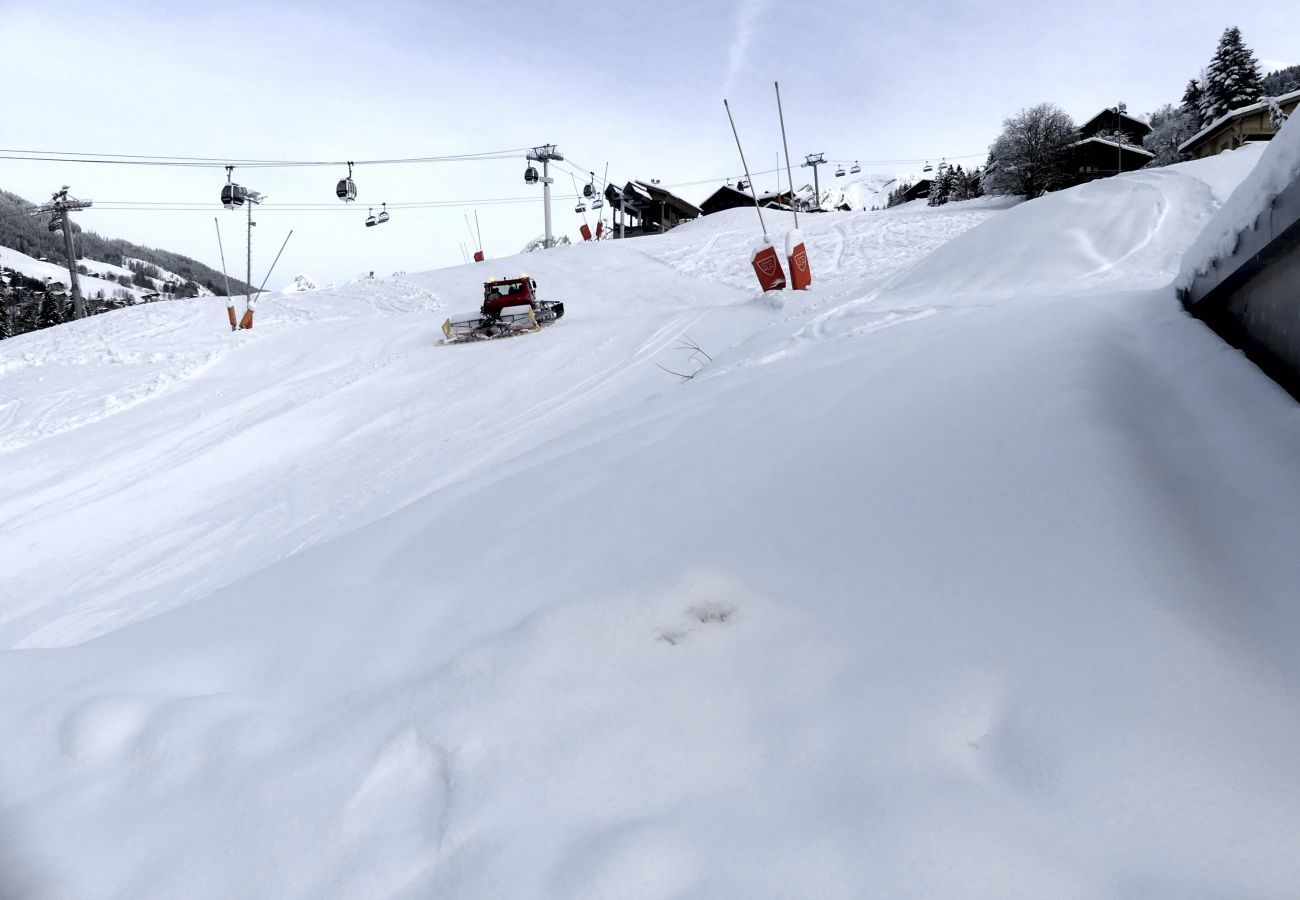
{"x": 742, "y": 185}
{"x": 839, "y": 172}
{"x": 580, "y": 208}
{"x": 588, "y": 191}
{"x": 927, "y": 167}
{"x": 370, "y": 220}
{"x": 597, "y": 203}
{"x": 56, "y": 223}
{"x": 530, "y": 175}
{"x": 347, "y": 189}
{"x": 383, "y": 215}
{"x": 856, "y": 169}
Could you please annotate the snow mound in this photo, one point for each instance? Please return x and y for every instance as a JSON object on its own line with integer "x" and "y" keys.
{"x": 1278, "y": 167}
{"x": 1132, "y": 228}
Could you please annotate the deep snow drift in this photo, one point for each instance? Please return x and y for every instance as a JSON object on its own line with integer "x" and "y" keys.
{"x": 968, "y": 573}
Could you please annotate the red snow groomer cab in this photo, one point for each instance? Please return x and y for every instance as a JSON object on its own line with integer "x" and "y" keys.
{"x": 495, "y": 319}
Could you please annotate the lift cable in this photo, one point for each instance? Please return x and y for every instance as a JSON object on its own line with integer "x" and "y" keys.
{"x": 128, "y": 159}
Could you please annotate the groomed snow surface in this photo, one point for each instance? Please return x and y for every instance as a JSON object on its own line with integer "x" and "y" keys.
{"x": 970, "y": 572}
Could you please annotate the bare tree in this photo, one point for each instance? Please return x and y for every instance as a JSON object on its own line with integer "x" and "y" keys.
{"x": 1030, "y": 155}
{"x": 1170, "y": 127}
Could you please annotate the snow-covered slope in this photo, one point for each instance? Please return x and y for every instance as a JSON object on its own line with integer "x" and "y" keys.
{"x": 102, "y": 278}
{"x": 863, "y": 191}
{"x": 90, "y": 284}
{"x": 969, "y": 572}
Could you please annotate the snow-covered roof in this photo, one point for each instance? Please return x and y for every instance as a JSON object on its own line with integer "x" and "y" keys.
{"x": 1234, "y": 114}
{"x": 1097, "y": 140}
{"x": 1110, "y": 112}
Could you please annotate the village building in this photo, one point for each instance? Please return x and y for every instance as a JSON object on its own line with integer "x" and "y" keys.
{"x": 918, "y": 191}
{"x": 641, "y": 207}
{"x": 1109, "y": 143}
{"x": 729, "y": 197}
{"x": 1243, "y": 125}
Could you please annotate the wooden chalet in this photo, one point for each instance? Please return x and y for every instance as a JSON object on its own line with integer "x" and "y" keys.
{"x": 1109, "y": 143}
{"x": 642, "y": 208}
{"x": 1109, "y": 122}
{"x": 1243, "y": 125}
{"x": 728, "y": 197}
{"x": 918, "y": 191}
{"x": 725, "y": 197}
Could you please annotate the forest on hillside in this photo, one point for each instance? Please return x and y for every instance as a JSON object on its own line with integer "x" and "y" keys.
{"x": 30, "y": 235}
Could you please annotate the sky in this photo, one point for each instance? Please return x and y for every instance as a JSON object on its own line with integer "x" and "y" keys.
{"x": 637, "y": 87}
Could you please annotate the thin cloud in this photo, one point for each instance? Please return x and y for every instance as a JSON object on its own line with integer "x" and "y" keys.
{"x": 746, "y": 17}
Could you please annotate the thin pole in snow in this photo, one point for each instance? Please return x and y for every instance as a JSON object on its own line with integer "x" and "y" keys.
{"x": 467, "y": 228}
{"x": 749, "y": 181}
{"x": 230, "y": 301}
{"x": 276, "y": 260}
{"x": 479, "y": 230}
{"x": 223, "y": 256}
{"x": 788, "y": 177}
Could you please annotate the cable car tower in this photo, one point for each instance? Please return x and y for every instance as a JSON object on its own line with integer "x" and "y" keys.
{"x": 59, "y": 206}
{"x": 544, "y": 154}
{"x": 814, "y": 160}
{"x": 234, "y": 196}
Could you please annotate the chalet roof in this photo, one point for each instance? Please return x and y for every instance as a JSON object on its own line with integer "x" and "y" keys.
{"x": 1232, "y": 114}
{"x": 1108, "y": 117}
{"x": 1109, "y": 143}
{"x": 726, "y": 191}
{"x": 639, "y": 194}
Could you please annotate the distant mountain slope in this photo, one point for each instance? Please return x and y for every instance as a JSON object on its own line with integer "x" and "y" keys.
{"x": 860, "y": 192}
{"x": 29, "y": 235}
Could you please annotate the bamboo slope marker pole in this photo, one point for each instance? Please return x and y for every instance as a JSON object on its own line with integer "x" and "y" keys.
{"x": 767, "y": 265}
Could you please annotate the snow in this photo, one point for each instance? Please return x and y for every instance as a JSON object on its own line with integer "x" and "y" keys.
{"x": 103, "y": 275}
{"x": 1116, "y": 144}
{"x": 968, "y": 572}
{"x": 299, "y": 284}
{"x": 1238, "y": 112}
{"x": 1275, "y": 167}
{"x": 34, "y": 268}
{"x": 859, "y": 192}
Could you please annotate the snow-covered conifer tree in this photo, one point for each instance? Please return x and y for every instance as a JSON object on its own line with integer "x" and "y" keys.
{"x": 1192, "y": 97}
{"x": 1231, "y": 79}
{"x": 51, "y": 311}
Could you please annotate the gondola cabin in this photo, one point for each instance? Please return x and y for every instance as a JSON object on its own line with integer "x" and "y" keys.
{"x": 347, "y": 188}
{"x": 233, "y": 195}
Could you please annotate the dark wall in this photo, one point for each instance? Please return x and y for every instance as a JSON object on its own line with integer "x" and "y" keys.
{"x": 1252, "y": 298}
